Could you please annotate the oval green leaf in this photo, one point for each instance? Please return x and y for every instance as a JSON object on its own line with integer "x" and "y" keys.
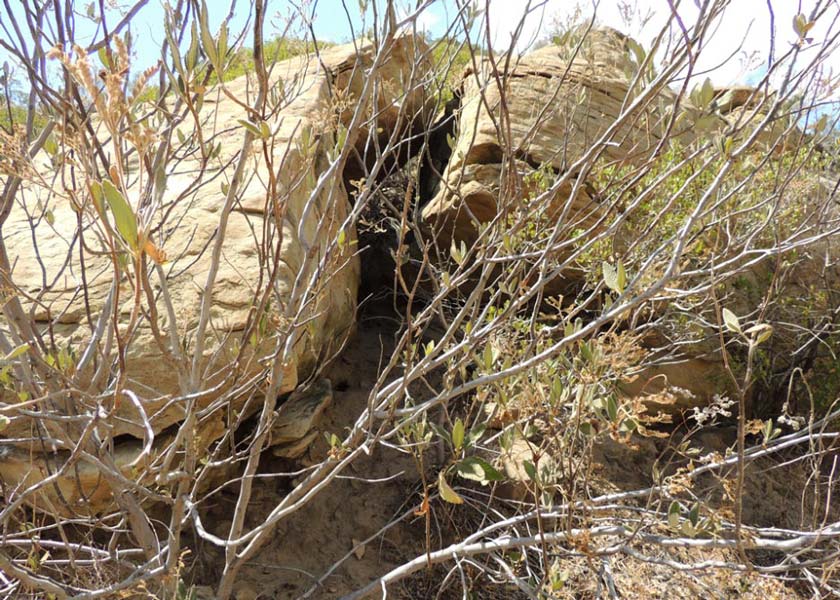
{"x": 446, "y": 492}
{"x": 124, "y": 217}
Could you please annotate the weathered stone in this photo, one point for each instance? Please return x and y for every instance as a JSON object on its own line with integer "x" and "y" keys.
{"x": 794, "y": 293}
{"x": 517, "y": 484}
{"x": 557, "y": 106}
{"x": 679, "y": 385}
{"x": 295, "y": 420}
{"x": 295, "y": 449}
{"x": 67, "y": 297}
{"x": 731, "y": 97}
{"x": 481, "y": 198}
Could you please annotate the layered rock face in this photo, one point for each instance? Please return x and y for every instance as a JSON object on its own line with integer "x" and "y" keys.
{"x": 795, "y": 294}
{"x": 292, "y": 242}
{"x": 287, "y": 245}
{"x": 558, "y": 103}
{"x": 571, "y": 101}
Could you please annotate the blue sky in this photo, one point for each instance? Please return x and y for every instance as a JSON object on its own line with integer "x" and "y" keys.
{"x": 736, "y": 53}
{"x": 334, "y": 20}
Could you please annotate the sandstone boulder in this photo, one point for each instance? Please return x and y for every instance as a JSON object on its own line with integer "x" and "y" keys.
{"x": 295, "y": 422}
{"x": 793, "y": 295}
{"x": 737, "y": 112}
{"x": 557, "y": 103}
{"x": 300, "y": 241}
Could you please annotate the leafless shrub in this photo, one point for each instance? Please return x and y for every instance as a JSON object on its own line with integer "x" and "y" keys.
{"x": 687, "y": 224}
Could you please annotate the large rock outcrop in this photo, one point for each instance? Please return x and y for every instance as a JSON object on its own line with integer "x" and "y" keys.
{"x": 558, "y": 101}
{"x": 795, "y": 293}
{"x": 559, "y": 104}
{"x": 299, "y": 240}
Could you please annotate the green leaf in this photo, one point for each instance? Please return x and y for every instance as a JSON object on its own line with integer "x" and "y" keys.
{"x": 122, "y": 259}
{"x": 530, "y": 469}
{"x": 306, "y": 139}
{"x": 628, "y": 425}
{"x": 475, "y": 434}
{"x": 458, "y": 434}
{"x": 446, "y": 492}
{"x": 440, "y": 431}
{"x": 265, "y": 130}
{"x": 458, "y": 252}
{"x": 726, "y": 98}
{"x": 341, "y": 137}
{"x": 17, "y": 352}
{"x": 490, "y": 472}
{"x": 488, "y": 358}
{"x": 770, "y": 432}
{"x": 332, "y": 439}
{"x": 612, "y": 408}
{"x": 450, "y": 141}
{"x": 470, "y": 469}
{"x": 801, "y": 25}
{"x": 705, "y": 123}
{"x": 727, "y": 146}
{"x": 586, "y": 352}
{"x": 674, "y": 515}
{"x": 768, "y": 429}
{"x": 707, "y": 92}
{"x": 762, "y": 332}
{"x": 192, "y": 53}
{"x": 98, "y": 197}
{"x": 476, "y": 469}
{"x": 622, "y": 277}
{"x": 637, "y": 50}
{"x": 51, "y": 147}
{"x": 223, "y": 40}
{"x": 4, "y": 422}
{"x": 731, "y": 321}
{"x": 557, "y": 389}
{"x": 175, "y": 53}
{"x": 694, "y": 514}
{"x": 250, "y": 127}
{"x": 821, "y": 124}
{"x": 207, "y": 41}
{"x": 610, "y": 275}
{"x": 124, "y": 217}
{"x": 495, "y": 352}
{"x": 103, "y": 57}
{"x": 506, "y": 439}
{"x": 615, "y": 278}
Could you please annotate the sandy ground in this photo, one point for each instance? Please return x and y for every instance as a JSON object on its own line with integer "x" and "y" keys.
{"x": 378, "y": 489}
